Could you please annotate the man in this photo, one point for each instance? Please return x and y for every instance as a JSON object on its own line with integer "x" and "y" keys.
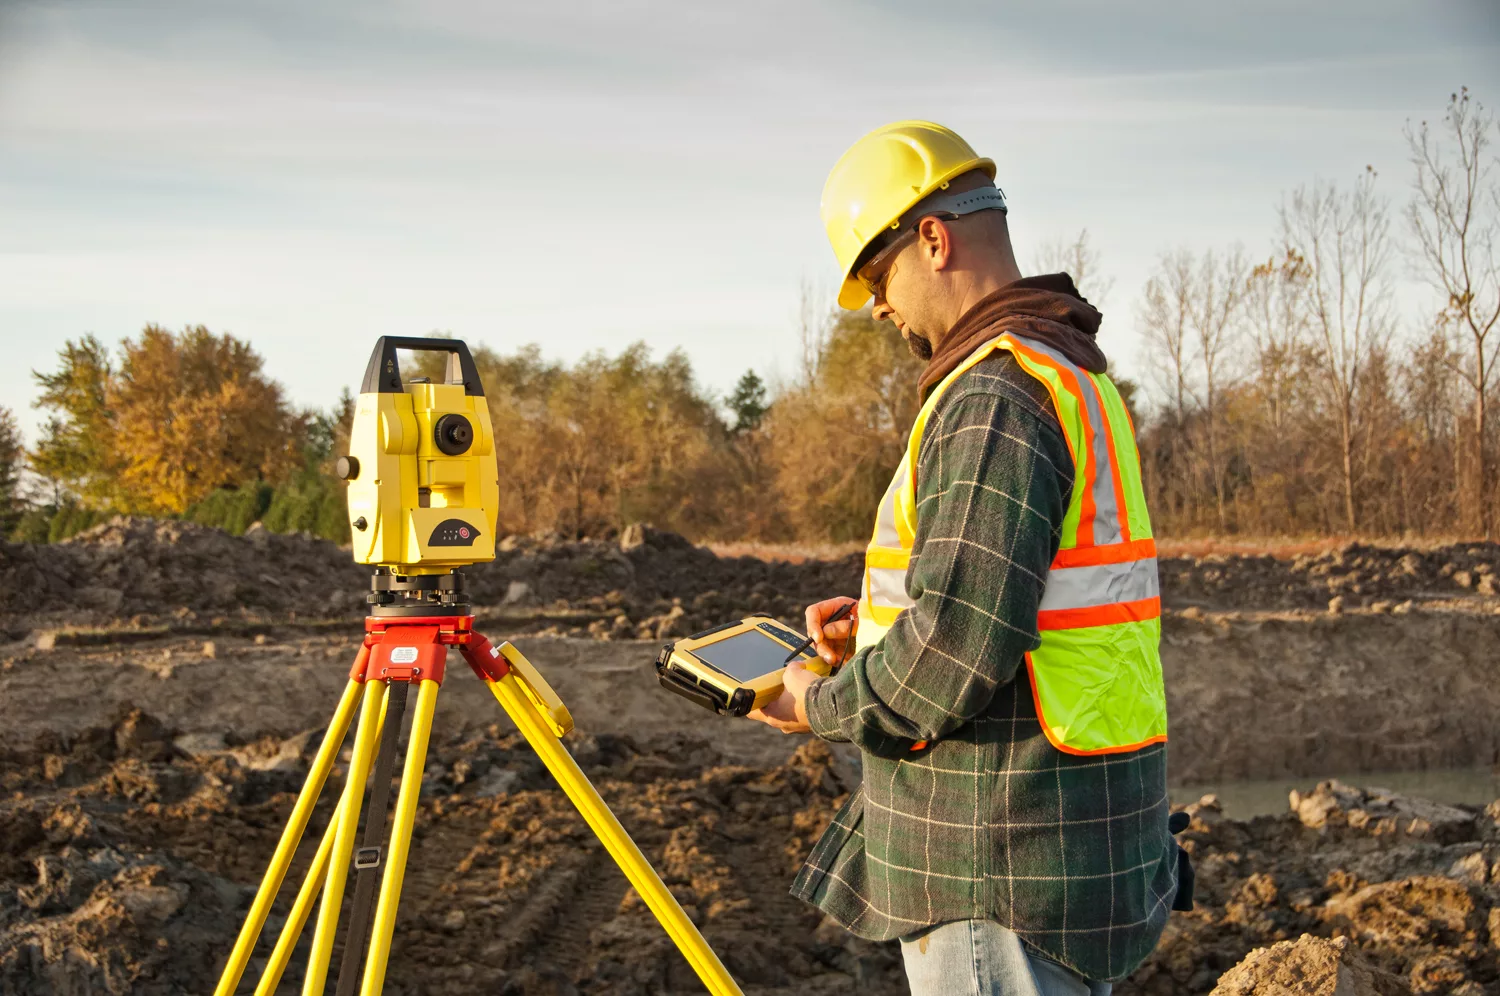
{"x": 1005, "y": 688}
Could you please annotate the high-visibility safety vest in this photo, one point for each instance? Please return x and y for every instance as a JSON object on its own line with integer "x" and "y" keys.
{"x": 1096, "y": 678}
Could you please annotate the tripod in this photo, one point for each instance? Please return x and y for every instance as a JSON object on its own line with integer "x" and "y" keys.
{"x": 414, "y": 621}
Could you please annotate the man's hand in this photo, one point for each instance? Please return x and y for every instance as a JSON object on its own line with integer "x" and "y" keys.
{"x": 788, "y": 712}
{"x": 832, "y": 641}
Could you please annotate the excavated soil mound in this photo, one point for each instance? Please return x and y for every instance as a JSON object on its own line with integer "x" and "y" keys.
{"x": 129, "y": 852}
{"x": 1309, "y": 966}
{"x": 647, "y": 584}
{"x": 1352, "y": 893}
{"x": 128, "y": 855}
{"x": 1360, "y": 574}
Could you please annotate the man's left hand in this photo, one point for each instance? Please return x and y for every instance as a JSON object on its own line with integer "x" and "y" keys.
{"x": 788, "y": 711}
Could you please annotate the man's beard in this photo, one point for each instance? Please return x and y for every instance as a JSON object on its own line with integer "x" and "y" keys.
{"x": 920, "y": 345}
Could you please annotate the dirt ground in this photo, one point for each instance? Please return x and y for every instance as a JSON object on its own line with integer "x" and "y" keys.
{"x": 164, "y": 687}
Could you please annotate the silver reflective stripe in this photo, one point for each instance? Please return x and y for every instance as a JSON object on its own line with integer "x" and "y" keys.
{"x": 1100, "y": 584}
{"x": 888, "y": 587}
{"x": 885, "y": 516}
{"x": 1107, "y": 514}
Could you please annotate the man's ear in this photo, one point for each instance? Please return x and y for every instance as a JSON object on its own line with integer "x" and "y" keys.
{"x": 935, "y": 242}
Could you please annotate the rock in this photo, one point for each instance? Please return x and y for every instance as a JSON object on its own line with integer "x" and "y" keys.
{"x": 1380, "y": 608}
{"x": 1336, "y": 605}
{"x": 1463, "y": 579}
{"x": 632, "y": 537}
{"x": 1424, "y": 910}
{"x": 1380, "y": 811}
{"x": 1326, "y": 799}
{"x": 1309, "y": 966}
{"x": 1473, "y": 868}
{"x": 516, "y": 591}
{"x": 153, "y": 902}
{"x": 209, "y": 650}
{"x": 672, "y": 625}
{"x": 141, "y": 735}
{"x": 283, "y": 756}
{"x": 1491, "y": 819}
{"x": 46, "y": 641}
{"x": 499, "y": 781}
{"x": 199, "y": 744}
{"x": 1402, "y": 608}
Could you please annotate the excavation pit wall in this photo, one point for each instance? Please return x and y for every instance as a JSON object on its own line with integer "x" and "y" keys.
{"x": 1250, "y": 697}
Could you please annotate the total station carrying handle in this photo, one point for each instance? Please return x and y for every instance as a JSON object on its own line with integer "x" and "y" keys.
{"x": 383, "y": 376}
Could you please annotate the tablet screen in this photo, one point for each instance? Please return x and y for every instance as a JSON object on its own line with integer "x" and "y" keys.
{"x": 745, "y": 656}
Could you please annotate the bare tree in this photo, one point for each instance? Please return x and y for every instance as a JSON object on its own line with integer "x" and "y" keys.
{"x": 1218, "y": 295}
{"x": 812, "y": 331}
{"x": 1190, "y": 314}
{"x": 1275, "y": 315}
{"x": 1163, "y": 319}
{"x": 1345, "y": 238}
{"x": 1080, "y": 261}
{"x": 1455, "y": 216}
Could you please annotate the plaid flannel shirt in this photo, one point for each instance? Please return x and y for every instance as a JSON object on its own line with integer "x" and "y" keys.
{"x": 990, "y": 820}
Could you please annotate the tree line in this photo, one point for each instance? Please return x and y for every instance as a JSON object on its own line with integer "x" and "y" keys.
{"x": 1292, "y": 397}
{"x": 188, "y": 425}
{"x": 1284, "y": 394}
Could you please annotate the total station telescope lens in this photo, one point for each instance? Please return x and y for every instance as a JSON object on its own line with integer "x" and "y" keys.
{"x": 453, "y": 434}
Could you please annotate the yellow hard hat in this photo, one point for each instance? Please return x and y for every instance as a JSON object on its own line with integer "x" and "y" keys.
{"x": 878, "y": 179}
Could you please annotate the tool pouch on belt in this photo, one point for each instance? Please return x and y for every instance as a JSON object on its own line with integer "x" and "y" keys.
{"x": 1183, "y": 901}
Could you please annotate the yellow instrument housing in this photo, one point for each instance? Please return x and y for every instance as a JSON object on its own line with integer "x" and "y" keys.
{"x": 413, "y": 507}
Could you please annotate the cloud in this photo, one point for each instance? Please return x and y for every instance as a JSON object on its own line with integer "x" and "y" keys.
{"x": 312, "y": 174}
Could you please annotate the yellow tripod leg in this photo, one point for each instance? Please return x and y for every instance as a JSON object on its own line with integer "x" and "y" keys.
{"x": 312, "y": 884}
{"x": 366, "y": 739}
{"x": 239, "y": 957}
{"x": 297, "y": 918}
{"x": 395, "y": 863}
{"x": 522, "y": 710}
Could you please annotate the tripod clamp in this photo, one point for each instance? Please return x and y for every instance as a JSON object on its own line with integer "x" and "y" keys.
{"x": 415, "y": 648}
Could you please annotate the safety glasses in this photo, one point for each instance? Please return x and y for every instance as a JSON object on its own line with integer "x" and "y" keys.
{"x": 874, "y": 274}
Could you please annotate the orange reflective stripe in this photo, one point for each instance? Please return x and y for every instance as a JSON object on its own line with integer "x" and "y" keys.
{"x": 1100, "y": 615}
{"x": 1115, "y": 553}
{"x": 1087, "y": 466}
{"x": 1026, "y": 358}
{"x": 1114, "y": 463}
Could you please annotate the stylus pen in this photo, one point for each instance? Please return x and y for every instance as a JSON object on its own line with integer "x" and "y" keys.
{"x": 841, "y": 613}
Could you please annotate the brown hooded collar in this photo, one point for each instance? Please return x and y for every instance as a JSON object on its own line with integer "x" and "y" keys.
{"x": 1047, "y": 308}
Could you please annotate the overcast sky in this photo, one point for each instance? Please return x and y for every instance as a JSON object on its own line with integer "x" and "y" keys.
{"x": 309, "y": 175}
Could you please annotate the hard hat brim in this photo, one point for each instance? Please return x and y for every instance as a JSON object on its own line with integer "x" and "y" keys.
{"x": 852, "y": 294}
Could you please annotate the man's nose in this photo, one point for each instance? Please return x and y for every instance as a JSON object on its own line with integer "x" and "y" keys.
{"x": 882, "y": 311}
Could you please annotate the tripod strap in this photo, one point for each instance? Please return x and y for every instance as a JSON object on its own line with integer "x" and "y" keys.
{"x": 369, "y": 859}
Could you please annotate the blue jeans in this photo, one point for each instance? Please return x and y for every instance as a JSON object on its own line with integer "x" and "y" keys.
{"x": 982, "y": 958}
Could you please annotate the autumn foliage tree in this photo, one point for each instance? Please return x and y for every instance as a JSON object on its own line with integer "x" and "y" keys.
{"x": 174, "y": 417}
{"x": 837, "y": 434}
{"x": 589, "y": 448}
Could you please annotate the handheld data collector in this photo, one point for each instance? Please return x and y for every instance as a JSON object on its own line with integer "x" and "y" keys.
{"x": 733, "y": 668}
